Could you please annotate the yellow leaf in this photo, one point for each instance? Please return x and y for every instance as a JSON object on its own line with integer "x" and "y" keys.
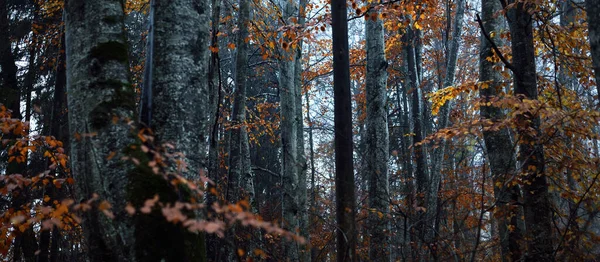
{"x": 231, "y": 46}
{"x": 417, "y": 26}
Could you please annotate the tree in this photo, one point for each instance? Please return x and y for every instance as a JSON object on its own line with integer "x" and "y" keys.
{"x": 536, "y": 200}
{"x": 289, "y": 132}
{"x": 344, "y": 171}
{"x": 180, "y": 72}
{"x": 240, "y": 179}
{"x": 498, "y": 143}
{"x": 99, "y": 89}
{"x": 377, "y": 140}
{"x": 592, "y": 8}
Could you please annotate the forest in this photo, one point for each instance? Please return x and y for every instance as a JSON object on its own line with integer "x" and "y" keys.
{"x": 299, "y": 130}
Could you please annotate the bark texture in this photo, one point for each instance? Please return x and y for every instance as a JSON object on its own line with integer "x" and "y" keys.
{"x": 99, "y": 88}
{"x": 377, "y": 141}
{"x": 178, "y": 78}
{"x": 240, "y": 182}
{"x": 289, "y": 136}
{"x": 498, "y": 144}
{"x": 303, "y": 222}
{"x": 536, "y": 200}
{"x": 180, "y": 73}
{"x": 344, "y": 169}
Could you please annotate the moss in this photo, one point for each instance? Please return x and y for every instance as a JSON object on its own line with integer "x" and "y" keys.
{"x": 109, "y": 51}
{"x": 157, "y": 239}
{"x": 123, "y": 97}
{"x": 112, "y": 19}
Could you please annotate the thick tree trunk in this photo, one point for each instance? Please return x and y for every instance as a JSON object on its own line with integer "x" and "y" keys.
{"x": 344, "y": 170}
{"x": 498, "y": 144}
{"x": 99, "y": 88}
{"x": 536, "y": 200}
{"x": 593, "y": 18}
{"x": 180, "y": 73}
{"x": 377, "y": 141}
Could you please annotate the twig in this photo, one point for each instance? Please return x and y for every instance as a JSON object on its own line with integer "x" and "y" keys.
{"x": 494, "y": 46}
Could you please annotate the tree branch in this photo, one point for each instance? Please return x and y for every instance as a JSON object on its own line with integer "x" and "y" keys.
{"x": 494, "y": 46}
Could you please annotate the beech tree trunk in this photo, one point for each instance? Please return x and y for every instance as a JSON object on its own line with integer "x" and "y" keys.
{"x": 99, "y": 89}
{"x": 240, "y": 182}
{"x": 536, "y": 200}
{"x": 179, "y": 83}
{"x": 377, "y": 141}
{"x": 289, "y": 136}
{"x": 498, "y": 144}
{"x": 303, "y": 222}
{"x": 180, "y": 73}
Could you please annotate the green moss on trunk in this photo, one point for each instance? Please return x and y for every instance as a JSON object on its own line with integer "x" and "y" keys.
{"x": 111, "y": 50}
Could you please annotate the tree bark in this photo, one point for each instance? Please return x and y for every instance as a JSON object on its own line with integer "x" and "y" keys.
{"x": 344, "y": 170}
{"x": 99, "y": 88}
{"x": 289, "y": 136}
{"x": 498, "y": 144}
{"x": 180, "y": 73}
{"x": 593, "y": 18}
{"x": 303, "y": 222}
{"x": 377, "y": 141}
{"x": 536, "y": 200}
{"x": 240, "y": 182}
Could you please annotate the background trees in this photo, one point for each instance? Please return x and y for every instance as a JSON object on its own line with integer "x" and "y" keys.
{"x": 475, "y": 127}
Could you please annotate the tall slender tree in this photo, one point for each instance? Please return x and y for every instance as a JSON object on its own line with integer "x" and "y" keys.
{"x": 536, "y": 200}
{"x": 289, "y": 132}
{"x": 344, "y": 169}
{"x": 498, "y": 144}
{"x": 377, "y": 140}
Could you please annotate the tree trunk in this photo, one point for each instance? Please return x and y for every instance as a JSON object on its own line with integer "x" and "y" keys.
{"x": 344, "y": 170}
{"x": 289, "y": 137}
{"x": 10, "y": 88}
{"x": 303, "y": 222}
{"x": 377, "y": 141}
{"x": 536, "y": 200}
{"x": 421, "y": 177}
{"x": 99, "y": 88}
{"x": 498, "y": 144}
{"x": 593, "y": 18}
{"x": 180, "y": 73}
{"x": 239, "y": 184}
